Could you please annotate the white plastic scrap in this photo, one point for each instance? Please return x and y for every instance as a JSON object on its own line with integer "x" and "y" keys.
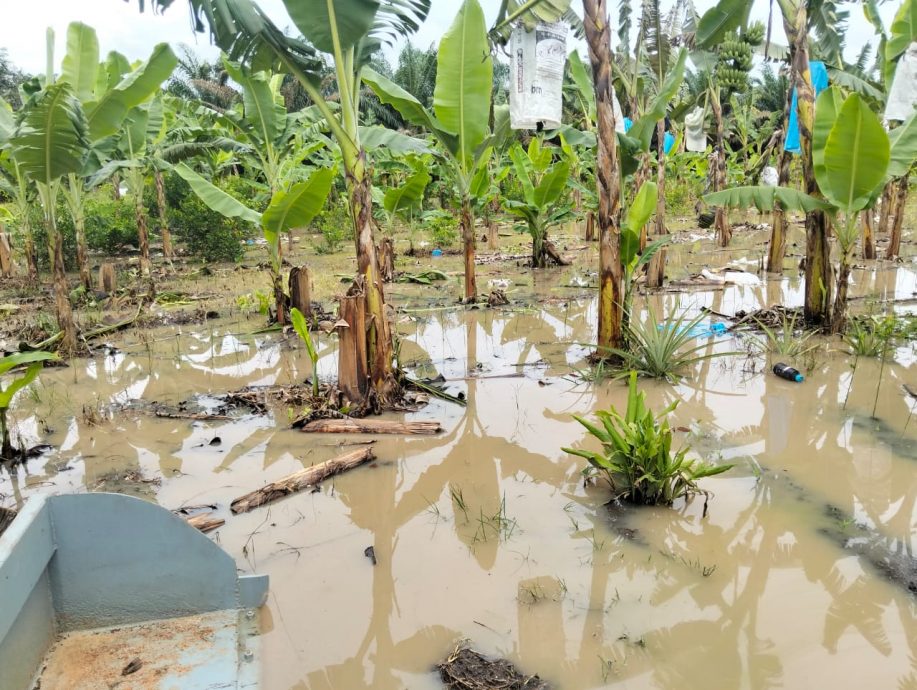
{"x": 695, "y": 137}
{"x": 537, "y": 75}
{"x": 902, "y": 97}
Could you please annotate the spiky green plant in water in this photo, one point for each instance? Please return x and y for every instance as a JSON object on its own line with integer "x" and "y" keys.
{"x": 637, "y": 458}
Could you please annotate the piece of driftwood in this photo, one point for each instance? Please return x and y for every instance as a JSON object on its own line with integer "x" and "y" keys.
{"x": 303, "y": 479}
{"x": 551, "y": 250}
{"x": 370, "y": 426}
{"x": 205, "y": 522}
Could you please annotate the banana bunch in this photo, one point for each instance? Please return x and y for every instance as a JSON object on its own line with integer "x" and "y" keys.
{"x": 754, "y": 34}
{"x": 734, "y": 57}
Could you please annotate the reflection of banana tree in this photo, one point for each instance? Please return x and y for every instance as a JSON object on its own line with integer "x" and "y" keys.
{"x": 461, "y": 111}
{"x": 543, "y": 182}
{"x": 293, "y": 208}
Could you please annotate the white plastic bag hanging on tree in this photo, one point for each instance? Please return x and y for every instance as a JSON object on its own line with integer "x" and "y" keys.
{"x": 695, "y": 136}
{"x": 537, "y": 76}
{"x": 902, "y": 96}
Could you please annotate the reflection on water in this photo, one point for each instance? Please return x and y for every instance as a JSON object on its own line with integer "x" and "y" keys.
{"x": 487, "y": 531}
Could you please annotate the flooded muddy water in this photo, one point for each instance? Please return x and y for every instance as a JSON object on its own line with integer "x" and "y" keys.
{"x": 487, "y": 531}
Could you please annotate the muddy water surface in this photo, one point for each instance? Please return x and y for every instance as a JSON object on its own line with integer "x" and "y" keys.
{"x": 487, "y": 532}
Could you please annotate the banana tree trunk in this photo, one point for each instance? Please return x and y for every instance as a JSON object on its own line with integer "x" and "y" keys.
{"x": 539, "y": 258}
{"x": 839, "y": 318}
{"x": 608, "y": 179}
{"x": 29, "y": 251}
{"x": 492, "y": 230}
{"x": 467, "y": 222}
{"x": 776, "y": 252}
{"x": 116, "y": 187}
{"x": 818, "y": 258}
{"x": 377, "y": 334}
{"x": 590, "y": 226}
{"x": 888, "y": 200}
{"x": 896, "y": 217}
{"x": 721, "y": 225}
{"x": 869, "y": 244}
{"x": 74, "y": 196}
{"x": 655, "y": 274}
{"x": 61, "y": 289}
{"x": 163, "y": 220}
{"x": 146, "y": 269}
{"x": 642, "y": 175}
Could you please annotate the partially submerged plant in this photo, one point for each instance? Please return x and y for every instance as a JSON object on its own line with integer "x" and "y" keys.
{"x": 783, "y": 340}
{"x": 34, "y": 361}
{"x": 870, "y": 337}
{"x": 663, "y": 350}
{"x": 637, "y": 457}
{"x": 301, "y": 326}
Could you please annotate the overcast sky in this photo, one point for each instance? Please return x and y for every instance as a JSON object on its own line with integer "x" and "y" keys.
{"x": 121, "y": 27}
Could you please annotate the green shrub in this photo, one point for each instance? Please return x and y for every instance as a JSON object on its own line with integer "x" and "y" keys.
{"x": 205, "y": 232}
{"x": 442, "y": 226}
{"x": 637, "y": 458}
{"x": 335, "y": 225}
{"x": 40, "y": 236}
{"x": 110, "y": 223}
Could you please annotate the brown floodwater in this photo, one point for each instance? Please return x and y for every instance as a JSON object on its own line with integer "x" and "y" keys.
{"x": 487, "y": 531}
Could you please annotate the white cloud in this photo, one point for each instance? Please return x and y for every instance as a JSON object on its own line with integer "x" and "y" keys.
{"x": 121, "y": 27}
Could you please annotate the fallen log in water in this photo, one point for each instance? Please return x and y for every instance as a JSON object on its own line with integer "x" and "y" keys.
{"x": 370, "y": 426}
{"x": 205, "y": 522}
{"x": 303, "y": 479}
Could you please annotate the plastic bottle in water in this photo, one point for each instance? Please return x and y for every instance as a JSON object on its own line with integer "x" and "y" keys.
{"x": 785, "y": 371}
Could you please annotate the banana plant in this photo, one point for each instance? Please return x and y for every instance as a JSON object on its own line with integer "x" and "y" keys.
{"x": 348, "y": 31}
{"x": 108, "y": 93}
{"x": 34, "y": 362}
{"x": 405, "y": 199}
{"x": 49, "y": 142}
{"x": 543, "y": 183}
{"x": 632, "y": 259}
{"x": 15, "y": 186}
{"x": 461, "y": 112}
{"x": 853, "y": 159}
{"x": 292, "y": 208}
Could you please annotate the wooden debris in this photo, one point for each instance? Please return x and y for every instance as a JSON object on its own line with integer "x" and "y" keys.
{"x": 108, "y": 279}
{"x": 205, "y": 522}
{"x": 301, "y": 290}
{"x": 303, "y": 479}
{"x": 7, "y": 515}
{"x": 466, "y": 669}
{"x": 385, "y": 250}
{"x": 370, "y": 426}
{"x": 353, "y": 367}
